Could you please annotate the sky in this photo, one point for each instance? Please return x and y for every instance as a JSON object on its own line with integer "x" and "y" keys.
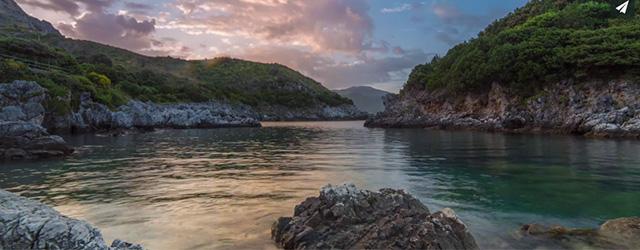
{"x": 340, "y": 43}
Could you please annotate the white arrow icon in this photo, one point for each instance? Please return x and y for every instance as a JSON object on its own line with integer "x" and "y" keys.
{"x": 623, "y": 7}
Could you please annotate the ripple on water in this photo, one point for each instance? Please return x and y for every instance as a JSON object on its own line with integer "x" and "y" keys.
{"x": 222, "y": 188}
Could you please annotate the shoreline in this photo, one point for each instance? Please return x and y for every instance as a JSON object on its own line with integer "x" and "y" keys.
{"x": 599, "y": 109}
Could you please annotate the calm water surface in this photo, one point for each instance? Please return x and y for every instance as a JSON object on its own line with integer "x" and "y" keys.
{"x": 222, "y": 188}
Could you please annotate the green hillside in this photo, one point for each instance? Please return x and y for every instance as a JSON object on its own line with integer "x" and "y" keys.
{"x": 540, "y": 43}
{"x": 69, "y": 67}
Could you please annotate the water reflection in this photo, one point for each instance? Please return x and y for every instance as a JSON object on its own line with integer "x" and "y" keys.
{"x": 222, "y": 188}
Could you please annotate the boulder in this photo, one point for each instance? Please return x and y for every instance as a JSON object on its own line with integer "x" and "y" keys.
{"x": 623, "y": 229}
{"x": 28, "y": 224}
{"x": 621, "y": 233}
{"x": 345, "y": 217}
{"x": 26, "y": 140}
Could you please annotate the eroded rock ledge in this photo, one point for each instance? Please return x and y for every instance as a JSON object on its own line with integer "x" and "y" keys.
{"x": 344, "y": 217}
{"x": 28, "y": 224}
{"x": 597, "y": 108}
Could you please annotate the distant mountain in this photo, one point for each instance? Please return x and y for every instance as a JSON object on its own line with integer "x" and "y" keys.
{"x": 365, "y": 98}
{"x": 12, "y": 16}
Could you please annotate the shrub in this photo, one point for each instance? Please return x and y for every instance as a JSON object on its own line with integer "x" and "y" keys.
{"x": 12, "y": 70}
{"x": 543, "y": 42}
{"x": 99, "y": 79}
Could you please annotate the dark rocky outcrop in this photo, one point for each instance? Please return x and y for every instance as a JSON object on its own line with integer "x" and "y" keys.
{"x": 27, "y": 224}
{"x": 603, "y": 109}
{"x": 21, "y": 115}
{"x": 344, "y": 217}
{"x": 621, "y": 233}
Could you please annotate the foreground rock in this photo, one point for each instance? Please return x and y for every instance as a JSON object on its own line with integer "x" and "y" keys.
{"x": 27, "y": 224}
{"x": 603, "y": 109}
{"x": 621, "y": 233}
{"x": 21, "y": 115}
{"x": 344, "y": 217}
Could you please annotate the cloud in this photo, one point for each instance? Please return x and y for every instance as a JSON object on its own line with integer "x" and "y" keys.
{"x": 457, "y": 25}
{"x": 118, "y": 30}
{"x": 67, "y": 6}
{"x": 137, "y": 6}
{"x": 451, "y": 15}
{"x": 401, "y": 8}
{"x": 334, "y": 73}
{"x": 90, "y": 20}
{"x": 328, "y": 25}
{"x": 328, "y": 40}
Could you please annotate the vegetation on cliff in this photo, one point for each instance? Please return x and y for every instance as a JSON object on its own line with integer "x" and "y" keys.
{"x": 68, "y": 67}
{"x": 542, "y": 42}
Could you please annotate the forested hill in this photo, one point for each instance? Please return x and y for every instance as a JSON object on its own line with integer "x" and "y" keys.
{"x": 538, "y": 44}
{"x": 32, "y": 50}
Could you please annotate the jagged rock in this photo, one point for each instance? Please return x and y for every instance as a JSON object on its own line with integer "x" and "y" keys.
{"x": 22, "y": 101}
{"x": 21, "y": 116}
{"x": 92, "y": 116}
{"x": 28, "y": 224}
{"x": 345, "y": 217}
{"x": 25, "y": 140}
{"x": 609, "y": 109}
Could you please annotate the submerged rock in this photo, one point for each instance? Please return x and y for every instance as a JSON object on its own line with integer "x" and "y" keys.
{"x": 621, "y": 233}
{"x": 345, "y": 217}
{"x": 28, "y": 224}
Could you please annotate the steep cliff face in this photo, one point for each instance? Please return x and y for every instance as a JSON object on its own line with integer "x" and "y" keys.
{"x": 600, "y": 108}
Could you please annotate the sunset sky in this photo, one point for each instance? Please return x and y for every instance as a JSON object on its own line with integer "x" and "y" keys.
{"x": 340, "y": 43}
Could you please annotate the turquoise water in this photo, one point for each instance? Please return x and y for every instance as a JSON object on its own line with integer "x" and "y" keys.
{"x": 222, "y": 188}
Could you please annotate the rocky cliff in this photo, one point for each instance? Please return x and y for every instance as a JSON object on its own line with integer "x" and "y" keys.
{"x": 597, "y": 108}
{"x": 552, "y": 66}
{"x": 28, "y": 224}
{"x": 22, "y": 113}
{"x": 27, "y": 115}
{"x": 93, "y": 116}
